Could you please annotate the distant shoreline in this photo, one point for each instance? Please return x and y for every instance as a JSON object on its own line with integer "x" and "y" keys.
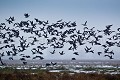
{"x": 74, "y": 62}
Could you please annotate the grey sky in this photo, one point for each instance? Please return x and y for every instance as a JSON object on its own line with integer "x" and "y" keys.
{"x": 98, "y": 13}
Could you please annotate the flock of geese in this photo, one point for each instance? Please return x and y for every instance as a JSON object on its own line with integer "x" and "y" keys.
{"x": 14, "y": 40}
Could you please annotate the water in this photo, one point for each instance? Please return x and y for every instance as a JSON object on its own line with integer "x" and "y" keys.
{"x": 65, "y": 62}
{"x": 77, "y": 66}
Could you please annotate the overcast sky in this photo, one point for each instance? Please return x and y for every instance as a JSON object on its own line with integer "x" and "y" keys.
{"x": 98, "y": 13}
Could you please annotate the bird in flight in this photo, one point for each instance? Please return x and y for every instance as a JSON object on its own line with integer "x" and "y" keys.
{"x": 110, "y": 56}
{"x": 26, "y": 15}
{"x": 73, "y": 59}
{"x": 52, "y": 52}
{"x": 85, "y": 24}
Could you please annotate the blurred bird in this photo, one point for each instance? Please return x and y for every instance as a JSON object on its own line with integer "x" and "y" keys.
{"x": 26, "y": 15}
{"x": 85, "y": 24}
{"x": 73, "y": 59}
